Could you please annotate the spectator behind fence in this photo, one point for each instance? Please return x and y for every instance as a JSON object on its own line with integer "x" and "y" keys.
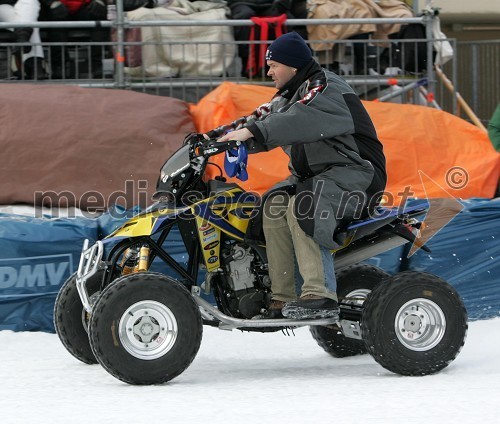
{"x": 247, "y": 9}
{"x": 28, "y": 58}
{"x": 74, "y": 10}
{"x": 494, "y": 128}
{"x": 129, "y": 5}
{"x": 364, "y": 53}
{"x": 181, "y": 51}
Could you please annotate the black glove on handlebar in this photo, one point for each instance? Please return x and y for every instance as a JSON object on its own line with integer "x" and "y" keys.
{"x": 193, "y": 138}
{"x": 212, "y": 147}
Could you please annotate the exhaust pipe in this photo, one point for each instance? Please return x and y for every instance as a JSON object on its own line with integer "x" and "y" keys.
{"x": 366, "y": 248}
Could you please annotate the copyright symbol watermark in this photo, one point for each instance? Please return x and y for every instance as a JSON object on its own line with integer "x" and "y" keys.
{"x": 457, "y": 178}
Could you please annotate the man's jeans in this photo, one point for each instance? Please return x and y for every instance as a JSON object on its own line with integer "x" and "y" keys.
{"x": 286, "y": 240}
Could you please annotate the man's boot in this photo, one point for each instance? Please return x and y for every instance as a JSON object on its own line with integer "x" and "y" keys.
{"x": 311, "y": 307}
{"x": 273, "y": 311}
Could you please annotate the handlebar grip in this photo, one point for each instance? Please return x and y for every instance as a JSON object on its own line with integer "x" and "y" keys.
{"x": 213, "y": 147}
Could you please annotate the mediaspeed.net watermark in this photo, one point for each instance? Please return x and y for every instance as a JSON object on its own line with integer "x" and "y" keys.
{"x": 351, "y": 205}
{"x": 92, "y": 203}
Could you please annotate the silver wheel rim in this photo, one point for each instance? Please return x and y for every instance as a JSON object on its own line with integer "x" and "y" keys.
{"x": 356, "y": 297}
{"x": 148, "y": 330}
{"x": 420, "y": 324}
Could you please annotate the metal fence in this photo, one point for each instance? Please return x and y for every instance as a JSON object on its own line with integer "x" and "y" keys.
{"x": 478, "y": 70}
{"x": 80, "y": 48}
{"x": 393, "y": 70}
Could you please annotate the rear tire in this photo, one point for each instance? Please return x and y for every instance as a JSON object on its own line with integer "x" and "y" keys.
{"x": 145, "y": 329}
{"x": 354, "y": 283}
{"x": 71, "y": 320}
{"x": 414, "y": 324}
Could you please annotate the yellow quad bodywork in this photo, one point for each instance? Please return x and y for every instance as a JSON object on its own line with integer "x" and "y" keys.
{"x": 143, "y": 224}
{"x": 225, "y": 214}
{"x": 228, "y": 212}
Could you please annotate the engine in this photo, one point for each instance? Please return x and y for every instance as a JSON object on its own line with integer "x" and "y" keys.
{"x": 239, "y": 269}
{"x": 247, "y": 280}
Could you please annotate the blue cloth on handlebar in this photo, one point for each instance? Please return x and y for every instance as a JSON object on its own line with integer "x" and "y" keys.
{"x": 235, "y": 163}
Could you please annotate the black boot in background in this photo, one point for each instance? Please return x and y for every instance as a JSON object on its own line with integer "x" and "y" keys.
{"x": 34, "y": 69}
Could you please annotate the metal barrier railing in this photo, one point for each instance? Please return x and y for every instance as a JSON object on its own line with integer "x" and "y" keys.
{"x": 372, "y": 82}
{"x": 478, "y": 67}
{"x": 121, "y": 25}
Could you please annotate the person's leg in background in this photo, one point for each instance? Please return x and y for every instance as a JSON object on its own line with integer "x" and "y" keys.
{"x": 34, "y": 67}
{"x": 58, "y": 56}
{"x": 242, "y": 33}
{"x": 29, "y": 59}
{"x": 95, "y": 10}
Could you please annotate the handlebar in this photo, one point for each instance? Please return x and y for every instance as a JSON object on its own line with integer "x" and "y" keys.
{"x": 213, "y": 147}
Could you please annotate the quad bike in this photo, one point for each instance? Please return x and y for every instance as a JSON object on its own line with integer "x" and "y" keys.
{"x": 145, "y": 327}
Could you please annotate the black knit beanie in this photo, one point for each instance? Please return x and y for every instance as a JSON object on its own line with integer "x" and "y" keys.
{"x": 290, "y": 49}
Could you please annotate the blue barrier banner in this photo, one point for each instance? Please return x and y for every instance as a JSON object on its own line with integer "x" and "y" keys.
{"x": 36, "y": 256}
{"x": 466, "y": 253}
{"x": 389, "y": 261}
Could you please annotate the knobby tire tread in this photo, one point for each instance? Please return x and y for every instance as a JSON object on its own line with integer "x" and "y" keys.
{"x": 178, "y": 365}
{"x": 331, "y": 340}
{"x": 391, "y": 354}
{"x": 67, "y": 321}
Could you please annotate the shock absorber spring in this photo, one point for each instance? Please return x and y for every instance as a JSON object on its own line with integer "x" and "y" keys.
{"x": 129, "y": 261}
{"x": 143, "y": 263}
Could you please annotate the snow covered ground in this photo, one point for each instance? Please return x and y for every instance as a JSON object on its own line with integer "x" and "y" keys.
{"x": 250, "y": 378}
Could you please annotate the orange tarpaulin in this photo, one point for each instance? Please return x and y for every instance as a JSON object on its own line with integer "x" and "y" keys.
{"x": 417, "y": 141}
{"x": 225, "y": 104}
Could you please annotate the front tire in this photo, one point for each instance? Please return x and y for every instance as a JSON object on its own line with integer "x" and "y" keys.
{"x": 354, "y": 283}
{"x": 145, "y": 329}
{"x": 414, "y": 324}
{"x": 71, "y": 320}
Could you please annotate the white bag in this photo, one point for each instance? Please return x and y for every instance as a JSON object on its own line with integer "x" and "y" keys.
{"x": 444, "y": 51}
{"x": 162, "y": 57}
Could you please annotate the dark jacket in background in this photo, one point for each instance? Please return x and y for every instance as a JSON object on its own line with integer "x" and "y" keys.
{"x": 248, "y": 9}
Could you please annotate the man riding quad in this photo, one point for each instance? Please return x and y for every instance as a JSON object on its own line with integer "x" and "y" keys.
{"x": 337, "y": 171}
